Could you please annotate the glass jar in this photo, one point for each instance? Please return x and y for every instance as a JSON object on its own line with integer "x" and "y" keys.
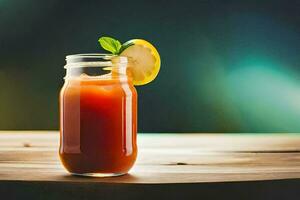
{"x": 98, "y": 116}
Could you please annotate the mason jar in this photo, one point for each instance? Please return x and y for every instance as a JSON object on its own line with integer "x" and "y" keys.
{"x": 98, "y": 116}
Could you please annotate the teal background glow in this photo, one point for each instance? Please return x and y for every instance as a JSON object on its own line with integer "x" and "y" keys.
{"x": 227, "y": 66}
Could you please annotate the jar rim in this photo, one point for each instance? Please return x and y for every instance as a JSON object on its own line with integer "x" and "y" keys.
{"x": 94, "y": 60}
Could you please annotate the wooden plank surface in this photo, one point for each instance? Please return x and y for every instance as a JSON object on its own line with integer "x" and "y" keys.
{"x": 27, "y": 158}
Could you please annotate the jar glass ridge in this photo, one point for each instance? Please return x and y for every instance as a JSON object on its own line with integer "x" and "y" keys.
{"x": 96, "y": 65}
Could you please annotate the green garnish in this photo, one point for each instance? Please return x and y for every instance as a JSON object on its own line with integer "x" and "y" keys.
{"x": 112, "y": 45}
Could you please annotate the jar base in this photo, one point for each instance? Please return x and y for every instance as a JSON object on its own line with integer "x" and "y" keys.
{"x": 98, "y": 174}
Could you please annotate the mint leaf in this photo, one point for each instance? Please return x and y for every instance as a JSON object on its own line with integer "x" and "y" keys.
{"x": 110, "y": 44}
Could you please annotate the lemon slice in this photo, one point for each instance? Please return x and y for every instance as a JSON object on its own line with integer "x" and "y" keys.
{"x": 144, "y": 61}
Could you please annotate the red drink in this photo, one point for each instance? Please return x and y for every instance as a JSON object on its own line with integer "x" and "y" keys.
{"x": 98, "y": 123}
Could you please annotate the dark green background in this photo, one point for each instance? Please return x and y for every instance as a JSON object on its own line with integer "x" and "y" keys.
{"x": 227, "y": 66}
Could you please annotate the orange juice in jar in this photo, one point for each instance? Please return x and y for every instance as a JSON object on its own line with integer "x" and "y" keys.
{"x": 99, "y": 116}
{"x": 98, "y": 109}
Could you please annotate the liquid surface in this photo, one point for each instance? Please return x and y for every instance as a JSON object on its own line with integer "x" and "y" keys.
{"x": 98, "y": 126}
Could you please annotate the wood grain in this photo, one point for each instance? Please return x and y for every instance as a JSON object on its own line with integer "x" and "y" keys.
{"x": 31, "y": 157}
{"x": 167, "y": 158}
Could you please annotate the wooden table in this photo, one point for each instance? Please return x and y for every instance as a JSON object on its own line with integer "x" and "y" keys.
{"x": 169, "y": 166}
